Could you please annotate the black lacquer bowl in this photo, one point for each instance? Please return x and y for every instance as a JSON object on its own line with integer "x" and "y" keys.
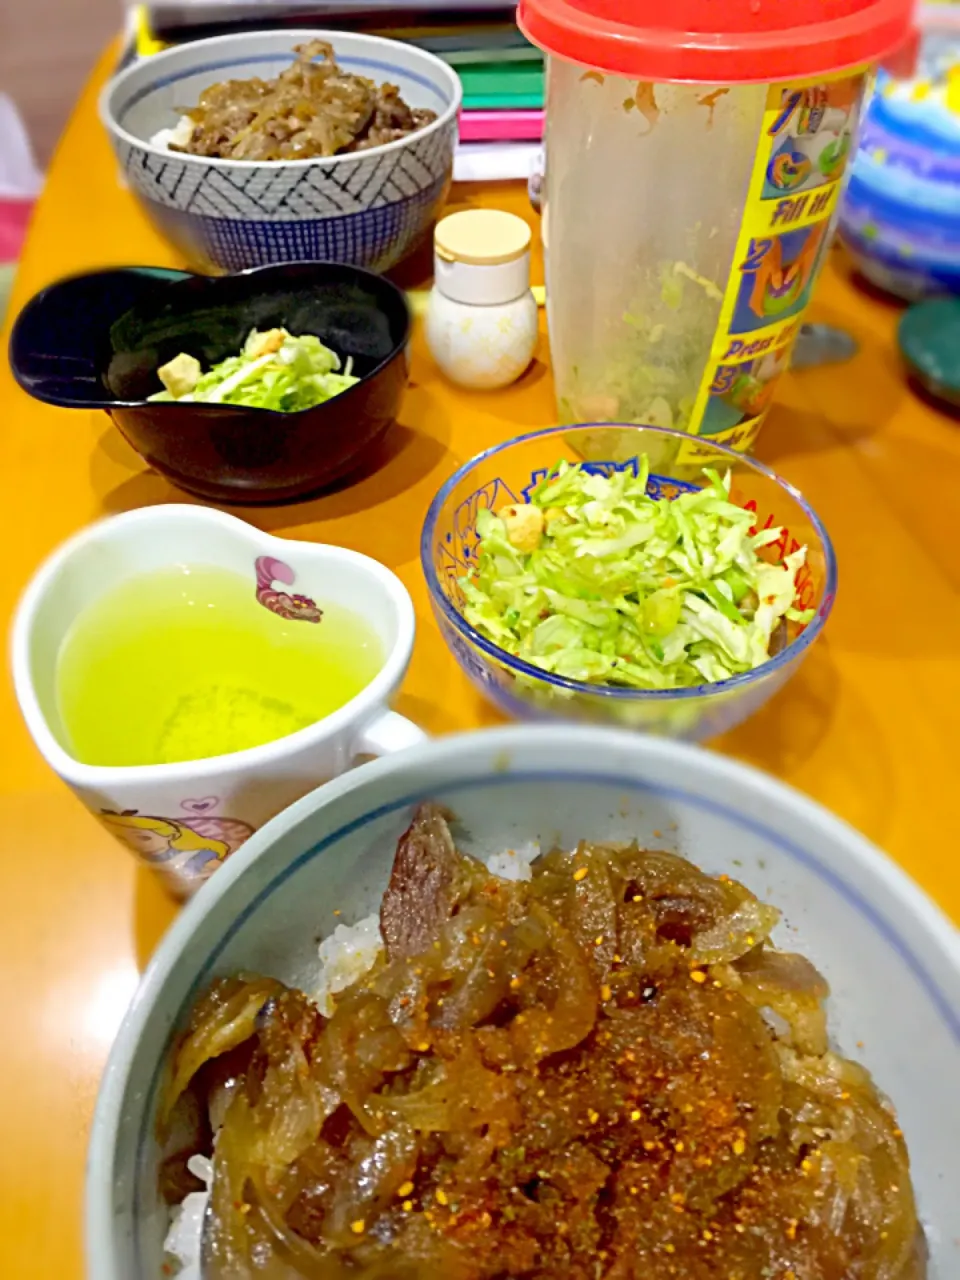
{"x": 97, "y": 340}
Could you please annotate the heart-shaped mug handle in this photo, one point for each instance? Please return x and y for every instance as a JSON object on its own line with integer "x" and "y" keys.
{"x": 388, "y": 733}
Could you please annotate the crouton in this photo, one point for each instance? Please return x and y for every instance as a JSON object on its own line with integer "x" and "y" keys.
{"x": 180, "y": 375}
{"x": 524, "y": 525}
{"x": 265, "y": 343}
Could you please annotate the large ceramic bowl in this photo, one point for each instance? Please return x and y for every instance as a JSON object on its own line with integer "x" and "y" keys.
{"x": 508, "y": 472}
{"x": 369, "y": 209}
{"x": 893, "y": 961}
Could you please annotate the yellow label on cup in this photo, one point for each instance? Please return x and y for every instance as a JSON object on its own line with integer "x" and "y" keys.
{"x": 807, "y": 134}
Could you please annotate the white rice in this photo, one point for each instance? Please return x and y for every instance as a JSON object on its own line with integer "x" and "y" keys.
{"x": 179, "y": 135}
{"x": 350, "y": 952}
{"x": 186, "y": 1227}
{"x": 346, "y": 956}
{"x": 514, "y": 864}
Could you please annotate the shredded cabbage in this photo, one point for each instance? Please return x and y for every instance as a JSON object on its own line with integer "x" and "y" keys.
{"x": 275, "y": 370}
{"x": 595, "y": 580}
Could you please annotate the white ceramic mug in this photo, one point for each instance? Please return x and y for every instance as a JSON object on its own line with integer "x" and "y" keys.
{"x": 184, "y": 819}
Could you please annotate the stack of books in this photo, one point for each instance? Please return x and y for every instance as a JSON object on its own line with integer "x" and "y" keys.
{"x": 501, "y": 127}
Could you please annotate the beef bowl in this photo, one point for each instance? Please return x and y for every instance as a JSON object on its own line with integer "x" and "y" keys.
{"x": 369, "y": 207}
{"x": 559, "y": 1073}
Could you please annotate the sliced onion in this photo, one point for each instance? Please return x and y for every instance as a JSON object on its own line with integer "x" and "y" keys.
{"x": 565, "y": 1008}
{"x": 222, "y": 1021}
{"x": 789, "y": 985}
{"x": 734, "y": 935}
{"x": 364, "y": 1190}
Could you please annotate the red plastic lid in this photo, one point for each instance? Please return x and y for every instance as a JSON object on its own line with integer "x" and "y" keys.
{"x": 717, "y": 41}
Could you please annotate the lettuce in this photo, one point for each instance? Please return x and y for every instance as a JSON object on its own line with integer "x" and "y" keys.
{"x": 625, "y": 589}
{"x": 274, "y": 371}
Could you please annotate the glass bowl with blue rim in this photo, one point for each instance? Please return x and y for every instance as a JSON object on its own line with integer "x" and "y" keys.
{"x": 508, "y": 473}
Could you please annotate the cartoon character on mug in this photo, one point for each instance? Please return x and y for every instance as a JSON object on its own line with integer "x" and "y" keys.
{"x": 170, "y": 845}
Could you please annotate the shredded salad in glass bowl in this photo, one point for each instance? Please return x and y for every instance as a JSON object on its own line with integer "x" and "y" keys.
{"x": 593, "y": 579}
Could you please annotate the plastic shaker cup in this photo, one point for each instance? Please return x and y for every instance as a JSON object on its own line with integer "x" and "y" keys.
{"x": 694, "y": 156}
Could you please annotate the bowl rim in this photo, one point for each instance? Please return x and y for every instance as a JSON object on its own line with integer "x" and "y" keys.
{"x": 862, "y": 858}
{"x": 455, "y": 618}
{"x": 296, "y": 35}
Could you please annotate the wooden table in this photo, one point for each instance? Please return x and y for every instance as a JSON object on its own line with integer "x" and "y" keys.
{"x": 868, "y": 727}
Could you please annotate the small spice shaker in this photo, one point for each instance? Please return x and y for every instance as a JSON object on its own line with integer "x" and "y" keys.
{"x": 482, "y": 318}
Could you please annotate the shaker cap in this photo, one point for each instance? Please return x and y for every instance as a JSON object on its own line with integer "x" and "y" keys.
{"x": 482, "y": 256}
{"x": 482, "y": 237}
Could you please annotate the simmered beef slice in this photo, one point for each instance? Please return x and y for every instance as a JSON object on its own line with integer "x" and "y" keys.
{"x": 428, "y": 880}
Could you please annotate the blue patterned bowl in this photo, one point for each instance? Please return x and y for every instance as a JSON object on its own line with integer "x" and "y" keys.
{"x": 508, "y": 472}
{"x": 368, "y": 209}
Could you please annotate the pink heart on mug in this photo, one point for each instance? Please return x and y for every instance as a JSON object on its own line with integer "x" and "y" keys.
{"x": 206, "y": 805}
